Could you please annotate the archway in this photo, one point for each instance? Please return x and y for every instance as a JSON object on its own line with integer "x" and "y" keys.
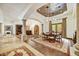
{"x": 36, "y": 30}
{"x": 34, "y": 25}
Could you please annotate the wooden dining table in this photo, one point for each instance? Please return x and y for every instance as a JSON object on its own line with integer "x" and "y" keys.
{"x": 51, "y": 36}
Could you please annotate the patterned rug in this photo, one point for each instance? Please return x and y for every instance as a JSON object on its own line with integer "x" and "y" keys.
{"x": 56, "y": 45}
{"x": 22, "y": 51}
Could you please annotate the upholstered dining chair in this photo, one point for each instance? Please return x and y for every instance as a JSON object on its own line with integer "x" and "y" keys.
{"x": 44, "y": 37}
{"x": 59, "y": 38}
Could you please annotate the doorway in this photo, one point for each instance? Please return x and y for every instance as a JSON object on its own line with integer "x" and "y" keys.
{"x": 18, "y": 29}
{"x": 36, "y": 30}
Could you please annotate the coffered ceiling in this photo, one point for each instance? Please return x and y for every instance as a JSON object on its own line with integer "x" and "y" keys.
{"x": 49, "y": 10}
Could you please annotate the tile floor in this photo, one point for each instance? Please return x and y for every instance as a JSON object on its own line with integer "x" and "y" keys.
{"x": 47, "y": 48}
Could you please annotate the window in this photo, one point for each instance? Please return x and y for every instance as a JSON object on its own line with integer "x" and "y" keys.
{"x": 57, "y": 27}
{"x": 54, "y": 27}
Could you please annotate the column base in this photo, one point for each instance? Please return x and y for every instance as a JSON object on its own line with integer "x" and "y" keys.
{"x": 25, "y": 39}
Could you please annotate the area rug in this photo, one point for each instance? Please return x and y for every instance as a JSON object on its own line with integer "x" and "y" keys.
{"x": 21, "y": 51}
{"x": 58, "y": 46}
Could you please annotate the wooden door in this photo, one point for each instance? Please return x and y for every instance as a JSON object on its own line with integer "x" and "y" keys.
{"x": 36, "y": 30}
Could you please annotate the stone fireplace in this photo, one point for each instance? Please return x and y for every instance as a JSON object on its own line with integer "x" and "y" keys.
{"x": 8, "y": 29}
{"x": 8, "y": 32}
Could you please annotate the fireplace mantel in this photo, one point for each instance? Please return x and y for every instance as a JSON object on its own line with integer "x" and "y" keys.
{"x": 7, "y": 32}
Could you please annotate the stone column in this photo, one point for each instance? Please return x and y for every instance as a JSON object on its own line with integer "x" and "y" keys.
{"x": 24, "y": 29}
{"x": 77, "y": 12}
{"x": 42, "y": 28}
{"x": 24, "y": 26}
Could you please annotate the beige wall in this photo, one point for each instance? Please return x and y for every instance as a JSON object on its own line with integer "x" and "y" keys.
{"x": 31, "y": 23}
{"x": 71, "y": 19}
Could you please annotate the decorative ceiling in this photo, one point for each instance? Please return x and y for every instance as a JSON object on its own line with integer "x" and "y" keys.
{"x": 49, "y": 9}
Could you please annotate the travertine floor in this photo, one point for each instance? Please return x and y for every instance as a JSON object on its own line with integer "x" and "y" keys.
{"x": 48, "y": 48}
{"x": 41, "y": 47}
{"x": 8, "y": 45}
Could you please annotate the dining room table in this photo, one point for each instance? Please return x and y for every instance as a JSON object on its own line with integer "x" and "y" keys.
{"x": 51, "y": 36}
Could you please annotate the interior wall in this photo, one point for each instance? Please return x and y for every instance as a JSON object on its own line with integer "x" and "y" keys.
{"x": 71, "y": 19}
{"x": 42, "y": 19}
{"x": 12, "y": 23}
{"x": 31, "y": 23}
{"x": 6, "y": 20}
